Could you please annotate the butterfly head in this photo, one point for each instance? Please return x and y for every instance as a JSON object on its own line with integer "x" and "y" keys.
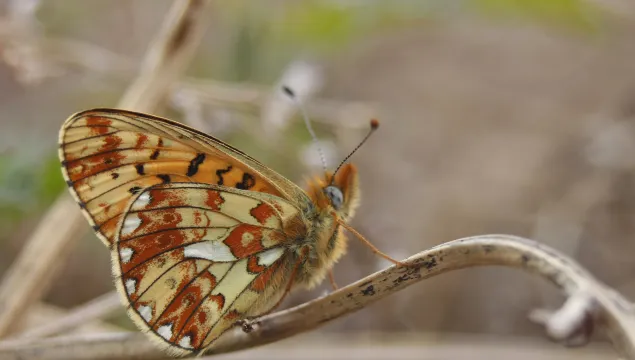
{"x": 339, "y": 193}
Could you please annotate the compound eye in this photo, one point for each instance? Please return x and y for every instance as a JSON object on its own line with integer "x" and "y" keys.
{"x": 335, "y": 195}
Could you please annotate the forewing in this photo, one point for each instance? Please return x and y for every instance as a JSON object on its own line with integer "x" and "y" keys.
{"x": 191, "y": 259}
{"x": 109, "y": 155}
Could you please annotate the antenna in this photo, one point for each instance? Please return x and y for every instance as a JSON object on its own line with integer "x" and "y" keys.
{"x": 287, "y": 90}
{"x": 374, "y": 125}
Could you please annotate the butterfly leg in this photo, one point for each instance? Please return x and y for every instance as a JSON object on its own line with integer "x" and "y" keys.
{"x": 368, "y": 243}
{"x": 332, "y": 280}
{"x": 247, "y": 324}
{"x": 296, "y": 267}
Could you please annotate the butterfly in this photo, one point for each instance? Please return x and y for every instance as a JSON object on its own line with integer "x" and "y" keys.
{"x": 201, "y": 235}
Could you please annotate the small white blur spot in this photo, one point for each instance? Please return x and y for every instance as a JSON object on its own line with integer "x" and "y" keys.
{"x": 186, "y": 342}
{"x": 125, "y": 254}
{"x": 130, "y": 224}
{"x": 145, "y": 312}
{"x": 268, "y": 257}
{"x": 143, "y": 200}
{"x": 165, "y": 331}
{"x": 131, "y": 286}
{"x": 210, "y": 250}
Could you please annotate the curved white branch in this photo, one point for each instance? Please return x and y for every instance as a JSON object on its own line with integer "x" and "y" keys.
{"x": 609, "y": 309}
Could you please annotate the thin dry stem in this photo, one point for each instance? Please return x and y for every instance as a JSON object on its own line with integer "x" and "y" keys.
{"x": 34, "y": 269}
{"x": 253, "y": 97}
{"x": 611, "y": 310}
{"x": 32, "y": 272}
{"x": 41, "y": 314}
{"x": 167, "y": 56}
{"x": 366, "y": 346}
{"x": 97, "y": 308}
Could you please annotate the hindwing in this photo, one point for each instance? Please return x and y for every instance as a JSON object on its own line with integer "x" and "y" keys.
{"x": 191, "y": 259}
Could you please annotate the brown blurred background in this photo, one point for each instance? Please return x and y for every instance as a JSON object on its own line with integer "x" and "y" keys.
{"x": 498, "y": 116}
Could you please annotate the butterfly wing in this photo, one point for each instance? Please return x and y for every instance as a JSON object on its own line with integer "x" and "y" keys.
{"x": 110, "y": 155}
{"x": 191, "y": 259}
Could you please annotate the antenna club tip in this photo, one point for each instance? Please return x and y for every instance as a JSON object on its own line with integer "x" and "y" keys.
{"x": 287, "y": 90}
{"x": 374, "y": 124}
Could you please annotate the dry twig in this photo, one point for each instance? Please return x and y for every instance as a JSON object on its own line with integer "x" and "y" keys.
{"x": 36, "y": 266}
{"x": 43, "y": 315}
{"x": 604, "y": 306}
{"x": 97, "y": 308}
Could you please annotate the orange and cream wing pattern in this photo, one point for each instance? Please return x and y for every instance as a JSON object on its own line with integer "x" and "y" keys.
{"x": 108, "y": 156}
{"x": 191, "y": 259}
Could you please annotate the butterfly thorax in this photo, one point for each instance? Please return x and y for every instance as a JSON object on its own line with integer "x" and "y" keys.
{"x": 325, "y": 242}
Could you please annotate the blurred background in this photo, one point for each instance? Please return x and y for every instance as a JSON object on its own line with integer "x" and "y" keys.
{"x": 498, "y": 116}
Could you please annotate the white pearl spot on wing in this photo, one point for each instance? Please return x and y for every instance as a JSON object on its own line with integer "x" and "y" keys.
{"x": 125, "y": 254}
{"x": 246, "y": 238}
{"x": 131, "y": 286}
{"x": 165, "y": 331}
{"x": 210, "y": 250}
{"x": 145, "y": 312}
{"x": 130, "y": 224}
{"x": 268, "y": 257}
{"x": 186, "y": 342}
{"x": 143, "y": 200}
